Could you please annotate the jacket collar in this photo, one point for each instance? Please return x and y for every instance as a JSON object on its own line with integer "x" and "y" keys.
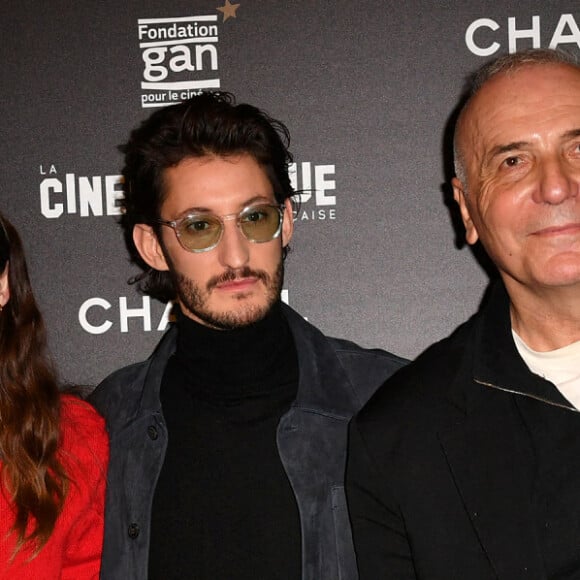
{"x": 150, "y": 398}
{"x": 323, "y": 384}
{"x": 493, "y": 360}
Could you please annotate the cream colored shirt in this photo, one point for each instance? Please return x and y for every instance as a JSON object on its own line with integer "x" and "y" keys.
{"x": 560, "y": 366}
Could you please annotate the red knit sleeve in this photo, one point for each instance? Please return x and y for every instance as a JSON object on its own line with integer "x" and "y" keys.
{"x": 85, "y": 455}
{"x": 73, "y": 551}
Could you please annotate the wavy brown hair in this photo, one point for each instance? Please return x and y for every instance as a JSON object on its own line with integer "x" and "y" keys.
{"x": 31, "y": 473}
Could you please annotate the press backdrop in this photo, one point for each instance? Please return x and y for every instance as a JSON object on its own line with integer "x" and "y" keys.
{"x": 366, "y": 88}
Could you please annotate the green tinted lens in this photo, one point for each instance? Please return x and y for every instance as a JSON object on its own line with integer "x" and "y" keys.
{"x": 200, "y": 232}
{"x": 261, "y": 223}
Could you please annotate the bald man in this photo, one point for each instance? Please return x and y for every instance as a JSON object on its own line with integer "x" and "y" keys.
{"x": 465, "y": 465}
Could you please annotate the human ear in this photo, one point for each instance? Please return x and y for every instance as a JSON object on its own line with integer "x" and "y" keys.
{"x": 149, "y": 248}
{"x": 288, "y": 223}
{"x": 460, "y": 196}
{"x": 4, "y": 287}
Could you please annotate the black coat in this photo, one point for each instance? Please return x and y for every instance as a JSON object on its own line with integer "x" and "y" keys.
{"x": 437, "y": 485}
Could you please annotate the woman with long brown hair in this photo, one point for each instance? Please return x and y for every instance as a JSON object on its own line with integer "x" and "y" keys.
{"x": 53, "y": 447}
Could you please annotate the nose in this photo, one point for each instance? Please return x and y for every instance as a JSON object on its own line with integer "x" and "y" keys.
{"x": 558, "y": 182}
{"x": 233, "y": 249}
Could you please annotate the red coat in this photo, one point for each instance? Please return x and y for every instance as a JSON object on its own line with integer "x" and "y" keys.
{"x": 73, "y": 552}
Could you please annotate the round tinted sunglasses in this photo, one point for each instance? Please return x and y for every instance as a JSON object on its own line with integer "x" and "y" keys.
{"x": 201, "y": 232}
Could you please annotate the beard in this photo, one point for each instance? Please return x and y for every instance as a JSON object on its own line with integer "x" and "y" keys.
{"x": 194, "y": 298}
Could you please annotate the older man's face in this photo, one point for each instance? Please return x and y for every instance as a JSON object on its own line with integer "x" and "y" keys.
{"x": 520, "y": 142}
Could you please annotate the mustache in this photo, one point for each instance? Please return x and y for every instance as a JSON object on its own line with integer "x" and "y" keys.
{"x": 231, "y": 275}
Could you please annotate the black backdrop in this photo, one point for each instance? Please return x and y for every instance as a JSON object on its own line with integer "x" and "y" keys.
{"x": 366, "y": 88}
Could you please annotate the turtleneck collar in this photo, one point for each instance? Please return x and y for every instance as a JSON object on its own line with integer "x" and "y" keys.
{"x": 244, "y": 362}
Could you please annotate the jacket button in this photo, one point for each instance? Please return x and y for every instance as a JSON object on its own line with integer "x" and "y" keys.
{"x": 133, "y": 531}
{"x": 152, "y": 432}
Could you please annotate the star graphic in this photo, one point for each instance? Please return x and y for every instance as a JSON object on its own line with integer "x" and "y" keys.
{"x": 228, "y": 10}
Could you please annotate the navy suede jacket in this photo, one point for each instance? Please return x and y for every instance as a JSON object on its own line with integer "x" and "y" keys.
{"x": 336, "y": 378}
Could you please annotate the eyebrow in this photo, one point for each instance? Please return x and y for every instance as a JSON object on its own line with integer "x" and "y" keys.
{"x": 246, "y": 203}
{"x": 515, "y": 145}
{"x": 501, "y": 149}
{"x": 572, "y": 134}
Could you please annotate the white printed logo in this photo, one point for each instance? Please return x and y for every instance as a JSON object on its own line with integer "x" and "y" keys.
{"x": 100, "y": 195}
{"x": 315, "y": 184}
{"x": 174, "y": 50}
{"x": 96, "y": 195}
{"x": 484, "y": 36}
{"x": 98, "y": 315}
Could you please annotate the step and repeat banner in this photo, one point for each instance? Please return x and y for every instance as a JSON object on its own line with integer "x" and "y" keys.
{"x": 367, "y": 90}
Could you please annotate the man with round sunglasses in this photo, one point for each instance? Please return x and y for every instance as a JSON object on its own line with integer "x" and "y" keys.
{"x": 228, "y": 445}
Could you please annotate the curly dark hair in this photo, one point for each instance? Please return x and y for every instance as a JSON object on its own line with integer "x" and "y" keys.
{"x": 210, "y": 123}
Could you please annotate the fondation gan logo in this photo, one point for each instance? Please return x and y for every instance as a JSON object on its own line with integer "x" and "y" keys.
{"x": 180, "y": 58}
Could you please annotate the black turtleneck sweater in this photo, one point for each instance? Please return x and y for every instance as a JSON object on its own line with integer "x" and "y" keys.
{"x": 223, "y": 506}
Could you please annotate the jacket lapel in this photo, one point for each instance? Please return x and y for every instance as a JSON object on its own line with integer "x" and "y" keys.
{"x": 312, "y": 445}
{"x": 323, "y": 384}
{"x": 482, "y": 456}
{"x": 486, "y": 450}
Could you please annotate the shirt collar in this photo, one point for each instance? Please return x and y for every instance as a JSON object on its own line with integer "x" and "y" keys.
{"x": 497, "y": 363}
